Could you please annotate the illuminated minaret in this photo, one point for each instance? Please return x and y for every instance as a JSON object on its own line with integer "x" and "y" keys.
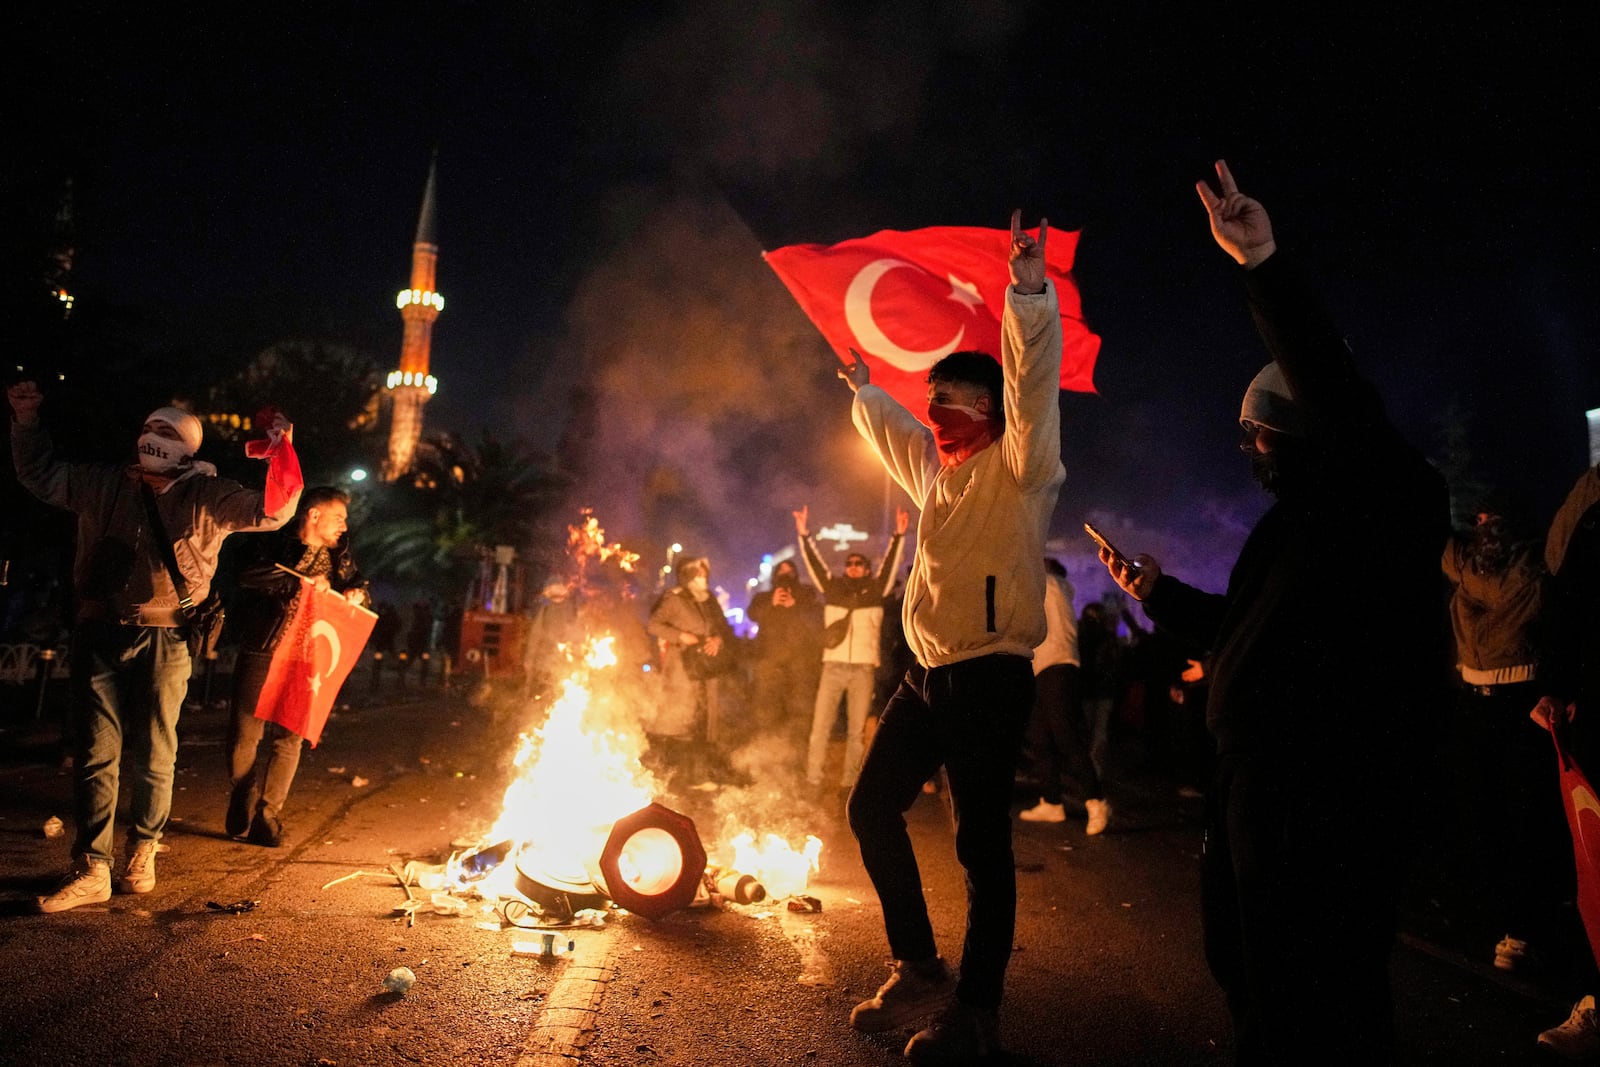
{"x": 412, "y": 385}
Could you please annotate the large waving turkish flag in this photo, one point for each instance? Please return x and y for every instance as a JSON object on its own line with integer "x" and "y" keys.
{"x": 321, "y": 644}
{"x": 906, "y": 299}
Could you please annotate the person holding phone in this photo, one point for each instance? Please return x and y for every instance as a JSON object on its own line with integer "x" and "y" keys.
{"x": 1316, "y": 701}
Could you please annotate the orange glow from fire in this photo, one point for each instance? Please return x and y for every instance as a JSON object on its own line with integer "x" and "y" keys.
{"x": 783, "y": 869}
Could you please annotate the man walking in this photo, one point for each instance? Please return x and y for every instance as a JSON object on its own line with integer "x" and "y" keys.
{"x": 314, "y": 546}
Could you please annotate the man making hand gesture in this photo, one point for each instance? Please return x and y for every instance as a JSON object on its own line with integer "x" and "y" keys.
{"x": 986, "y": 479}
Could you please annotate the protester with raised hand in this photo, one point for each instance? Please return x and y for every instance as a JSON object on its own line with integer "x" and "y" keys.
{"x": 852, "y": 643}
{"x": 143, "y": 528}
{"x": 986, "y": 479}
{"x": 1316, "y": 701}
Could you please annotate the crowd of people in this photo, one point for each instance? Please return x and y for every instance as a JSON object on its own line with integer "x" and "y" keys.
{"x": 960, "y": 658}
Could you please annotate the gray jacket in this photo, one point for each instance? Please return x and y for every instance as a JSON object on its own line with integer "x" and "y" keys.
{"x": 118, "y": 571}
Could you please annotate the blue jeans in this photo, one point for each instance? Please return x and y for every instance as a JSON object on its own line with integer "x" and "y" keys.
{"x": 128, "y": 685}
{"x": 853, "y": 681}
{"x": 968, "y": 718}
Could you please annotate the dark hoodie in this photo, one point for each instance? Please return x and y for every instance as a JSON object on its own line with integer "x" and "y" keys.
{"x": 1330, "y": 640}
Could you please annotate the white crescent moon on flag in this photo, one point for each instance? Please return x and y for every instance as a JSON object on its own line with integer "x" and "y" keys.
{"x": 1583, "y": 800}
{"x": 858, "y": 316}
{"x": 324, "y": 628}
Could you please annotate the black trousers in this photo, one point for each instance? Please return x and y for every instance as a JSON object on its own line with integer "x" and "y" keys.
{"x": 1508, "y": 788}
{"x": 1058, "y": 737}
{"x": 969, "y": 718}
{"x": 1298, "y": 886}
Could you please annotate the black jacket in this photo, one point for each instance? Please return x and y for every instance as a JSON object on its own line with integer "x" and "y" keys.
{"x": 265, "y": 593}
{"x": 1331, "y": 639}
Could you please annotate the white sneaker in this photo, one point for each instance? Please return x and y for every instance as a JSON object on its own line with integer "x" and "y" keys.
{"x": 1044, "y": 812}
{"x": 1578, "y": 1038}
{"x": 1513, "y": 954}
{"x": 89, "y": 882}
{"x": 1099, "y": 816}
{"x": 140, "y": 874}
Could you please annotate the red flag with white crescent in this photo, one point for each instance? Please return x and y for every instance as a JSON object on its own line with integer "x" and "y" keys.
{"x": 1583, "y": 817}
{"x": 906, "y": 299}
{"x": 320, "y": 646}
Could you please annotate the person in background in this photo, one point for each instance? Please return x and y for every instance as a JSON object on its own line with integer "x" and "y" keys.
{"x": 852, "y": 636}
{"x": 130, "y": 653}
{"x": 788, "y": 650}
{"x": 1056, "y": 738}
{"x": 314, "y": 545}
{"x": 552, "y": 623}
{"x": 1506, "y": 778}
{"x": 696, "y": 648}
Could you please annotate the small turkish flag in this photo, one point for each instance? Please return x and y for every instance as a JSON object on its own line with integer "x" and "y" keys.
{"x": 906, "y": 299}
{"x": 321, "y": 644}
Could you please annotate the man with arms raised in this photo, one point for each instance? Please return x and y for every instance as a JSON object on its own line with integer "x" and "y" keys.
{"x": 985, "y": 479}
{"x": 130, "y": 656}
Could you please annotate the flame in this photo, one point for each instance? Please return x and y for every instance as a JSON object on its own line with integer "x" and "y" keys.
{"x": 576, "y": 775}
{"x": 587, "y": 541}
{"x": 783, "y": 869}
{"x": 580, "y": 771}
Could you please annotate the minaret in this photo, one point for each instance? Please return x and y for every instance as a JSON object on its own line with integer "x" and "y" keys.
{"x": 412, "y": 385}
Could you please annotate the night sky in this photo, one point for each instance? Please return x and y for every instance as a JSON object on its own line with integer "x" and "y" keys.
{"x": 607, "y": 180}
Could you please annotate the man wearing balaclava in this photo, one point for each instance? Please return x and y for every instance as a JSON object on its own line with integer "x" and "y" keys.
{"x": 985, "y": 477}
{"x": 130, "y": 656}
{"x": 1316, "y": 698}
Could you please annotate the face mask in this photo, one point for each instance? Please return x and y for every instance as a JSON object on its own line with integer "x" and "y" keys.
{"x": 161, "y": 454}
{"x": 959, "y": 431}
{"x": 784, "y": 580}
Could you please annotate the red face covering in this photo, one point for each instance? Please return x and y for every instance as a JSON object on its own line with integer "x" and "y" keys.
{"x": 960, "y": 432}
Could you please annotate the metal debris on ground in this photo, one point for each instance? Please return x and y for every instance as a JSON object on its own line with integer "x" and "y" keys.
{"x": 358, "y": 781}
{"x": 805, "y": 904}
{"x": 238, "y": 907}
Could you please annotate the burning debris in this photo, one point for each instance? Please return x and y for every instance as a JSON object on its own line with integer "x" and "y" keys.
{"x": 580, "y": 828}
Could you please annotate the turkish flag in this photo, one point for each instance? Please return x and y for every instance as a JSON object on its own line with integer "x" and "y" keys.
{"x": 906, "y": 299}
{"x": 283, "y": 463}
{"x": 321, "y": 644}
{"x": 1583, "y": 816}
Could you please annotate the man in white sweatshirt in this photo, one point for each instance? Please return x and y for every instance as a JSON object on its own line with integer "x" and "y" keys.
{"x": 986, "y": 479}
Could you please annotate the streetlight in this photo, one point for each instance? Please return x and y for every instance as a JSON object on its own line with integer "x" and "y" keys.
{"x": 359, "y": 474}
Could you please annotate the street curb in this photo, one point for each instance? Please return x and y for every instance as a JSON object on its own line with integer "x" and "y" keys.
{"x": 558, "y": 1035}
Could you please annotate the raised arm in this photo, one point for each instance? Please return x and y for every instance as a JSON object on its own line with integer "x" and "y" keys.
{"x": 64, "y": 485}
{"x": 1297, "y": 330}
{"x": 815, "y": 565}
{"x": 893, "y": 554}
{"x": 1030, "y": 356}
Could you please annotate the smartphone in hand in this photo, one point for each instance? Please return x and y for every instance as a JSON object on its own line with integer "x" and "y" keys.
{"x": 1100, "y": 539}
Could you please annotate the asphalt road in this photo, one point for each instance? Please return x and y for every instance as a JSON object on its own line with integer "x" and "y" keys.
{"x": 1107, "y": 968}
